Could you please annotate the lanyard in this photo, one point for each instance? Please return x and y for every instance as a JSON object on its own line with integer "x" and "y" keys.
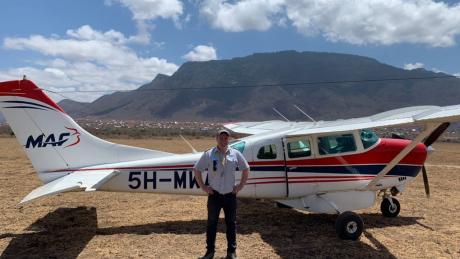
{"x": 223, "y": 161}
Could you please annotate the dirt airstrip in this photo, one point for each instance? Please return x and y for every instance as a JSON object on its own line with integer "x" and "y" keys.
{"x": 124, "y": 225}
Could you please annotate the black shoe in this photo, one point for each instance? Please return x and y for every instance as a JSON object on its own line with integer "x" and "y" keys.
{"x": 208, "y": 255}
{"x": 231, "y": 255}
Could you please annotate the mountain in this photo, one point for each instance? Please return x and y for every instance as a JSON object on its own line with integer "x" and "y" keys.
{"x": 298, "y": 73}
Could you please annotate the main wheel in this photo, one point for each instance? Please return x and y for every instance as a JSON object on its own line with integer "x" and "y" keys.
{"x": 389, "y": 210}
{"x": 349, "y": 225}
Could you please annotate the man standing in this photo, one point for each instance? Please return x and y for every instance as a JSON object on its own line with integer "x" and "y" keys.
{"x": 221, "y": 163}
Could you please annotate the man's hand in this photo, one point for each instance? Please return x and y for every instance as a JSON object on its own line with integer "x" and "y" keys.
{"x": 207, "y": 189}
{"x": 237, "y": 188}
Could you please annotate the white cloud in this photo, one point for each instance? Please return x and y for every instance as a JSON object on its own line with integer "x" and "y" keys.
{"x": 86, "y": 60}
{"x": 378, "y": 21}
{"x": 384, "y": 22}
{"x": 152, "y": 9}
{"x": 412, "y": 66}
{"x": 148, "y": 10}
{"x": 241, "y": 16}
{"x": 201, "y": 53}
{"x": 74, "y": 49}
{"x": 85, "y": 32}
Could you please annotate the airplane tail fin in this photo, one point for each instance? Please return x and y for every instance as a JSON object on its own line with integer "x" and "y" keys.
{"x": 52, "y": 140}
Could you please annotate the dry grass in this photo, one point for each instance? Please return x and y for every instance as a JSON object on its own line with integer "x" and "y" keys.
{"x": 123, "y": 225}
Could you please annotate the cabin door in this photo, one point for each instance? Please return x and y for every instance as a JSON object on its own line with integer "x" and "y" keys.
{"x": 298, "y": 155}
{"x": 269, "y": 166}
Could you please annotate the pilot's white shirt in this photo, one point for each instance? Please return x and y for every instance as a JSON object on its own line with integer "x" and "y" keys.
{"x": 221, "y": 168}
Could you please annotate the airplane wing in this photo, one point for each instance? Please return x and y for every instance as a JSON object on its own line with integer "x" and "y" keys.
{"x": 397, "y": 117}
{"x": 89, "y": 180}
{"x": 252, "y": 128}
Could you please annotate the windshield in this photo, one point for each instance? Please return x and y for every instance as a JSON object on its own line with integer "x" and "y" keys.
{"x": 369, "y": 138}
{"x": 238, "y": 146}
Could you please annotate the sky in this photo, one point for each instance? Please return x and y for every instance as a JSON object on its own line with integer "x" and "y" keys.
{"x": 66, "y": 45}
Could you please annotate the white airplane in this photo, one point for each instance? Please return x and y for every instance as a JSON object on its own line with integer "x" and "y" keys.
{"x": 323, "y": 167}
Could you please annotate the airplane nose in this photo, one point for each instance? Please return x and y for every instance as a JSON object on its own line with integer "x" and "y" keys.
{"x": 420, "y": 152}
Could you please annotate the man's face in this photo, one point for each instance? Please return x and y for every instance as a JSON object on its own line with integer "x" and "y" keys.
{"x": 222, "y": 140}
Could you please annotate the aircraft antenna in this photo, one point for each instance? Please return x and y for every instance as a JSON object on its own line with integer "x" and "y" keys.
{"x": 188, "y": 143}
{"x": 304, "y": 113}
{"x": 280, "y": 114}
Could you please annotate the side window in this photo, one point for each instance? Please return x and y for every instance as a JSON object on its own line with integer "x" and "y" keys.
{"x": 336, "y": 144}
{"x": 299, "y": 148}
{"x": 267, "y": 152}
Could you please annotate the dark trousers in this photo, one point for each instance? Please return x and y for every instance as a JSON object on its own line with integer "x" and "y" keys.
{"x": 216, "y": 202}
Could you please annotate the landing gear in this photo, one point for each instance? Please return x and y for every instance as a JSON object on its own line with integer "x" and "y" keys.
{"x": 349, "y": 225}
{"x": 390, "y": 207}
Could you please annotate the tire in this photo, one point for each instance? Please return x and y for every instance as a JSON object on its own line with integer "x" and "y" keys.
{"x": 388, "y": 210}
{"x": 349, "y": 226}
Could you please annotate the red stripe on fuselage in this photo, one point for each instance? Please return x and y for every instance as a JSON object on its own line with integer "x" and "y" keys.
{"x": 127, "y": 168}
{"x": 267, "y": 163}
{"x": 383, "y": 153}
{"x": 311, "y": 179}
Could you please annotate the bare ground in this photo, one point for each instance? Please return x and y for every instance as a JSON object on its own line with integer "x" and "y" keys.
{"x": 124, "y": 225}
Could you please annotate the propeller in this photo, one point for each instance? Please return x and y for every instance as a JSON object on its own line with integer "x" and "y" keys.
{"x": 436, "y": 133}
{"x": 428, "y": 142}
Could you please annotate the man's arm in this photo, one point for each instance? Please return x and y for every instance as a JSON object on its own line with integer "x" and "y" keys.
{"x": 244, "y": 178}
{"x": 244, "y": 166}
{"x": 199, "y": 180}
{"x": 200, "y": 165}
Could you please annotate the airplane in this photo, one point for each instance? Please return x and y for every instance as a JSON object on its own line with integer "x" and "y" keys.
{"x": 332, "y": 167}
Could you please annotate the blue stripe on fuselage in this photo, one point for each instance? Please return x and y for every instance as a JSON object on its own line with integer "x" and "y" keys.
{"x": 399, "y": 170}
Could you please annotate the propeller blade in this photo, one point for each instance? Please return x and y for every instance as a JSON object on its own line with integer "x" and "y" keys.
{"x": 425, "y": 182}
{"x": 428, "y": 142}
{"x": 436, "y": 133}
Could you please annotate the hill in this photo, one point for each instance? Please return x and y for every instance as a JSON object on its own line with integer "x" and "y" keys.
{"x": 298, "y": 74}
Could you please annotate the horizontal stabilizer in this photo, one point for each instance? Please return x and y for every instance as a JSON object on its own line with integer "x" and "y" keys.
{"x": 89, "y": 180}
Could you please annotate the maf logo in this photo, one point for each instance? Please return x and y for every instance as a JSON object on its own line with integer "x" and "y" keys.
{"x": 54, "y": 139}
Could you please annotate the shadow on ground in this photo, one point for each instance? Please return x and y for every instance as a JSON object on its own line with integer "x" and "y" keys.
{"x": 65, "y": 232}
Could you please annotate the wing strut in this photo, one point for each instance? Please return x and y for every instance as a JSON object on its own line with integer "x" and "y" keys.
{"x": 430, "y": 127}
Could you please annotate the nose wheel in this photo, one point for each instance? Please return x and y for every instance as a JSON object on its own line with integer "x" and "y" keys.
{"x": 390, "y": 207}
{"x": 349, "y": 225}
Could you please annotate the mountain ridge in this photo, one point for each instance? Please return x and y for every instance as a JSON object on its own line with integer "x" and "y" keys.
{"x": 279, "y": 72}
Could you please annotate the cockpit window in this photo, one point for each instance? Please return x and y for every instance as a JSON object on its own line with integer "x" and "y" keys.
{"x": 369, "y": 138}
{"x": 238, "y": 146}
{"x": 267, "y": 152}
{"x": 336, "y": 144}
{"x": 299, "y": 148}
